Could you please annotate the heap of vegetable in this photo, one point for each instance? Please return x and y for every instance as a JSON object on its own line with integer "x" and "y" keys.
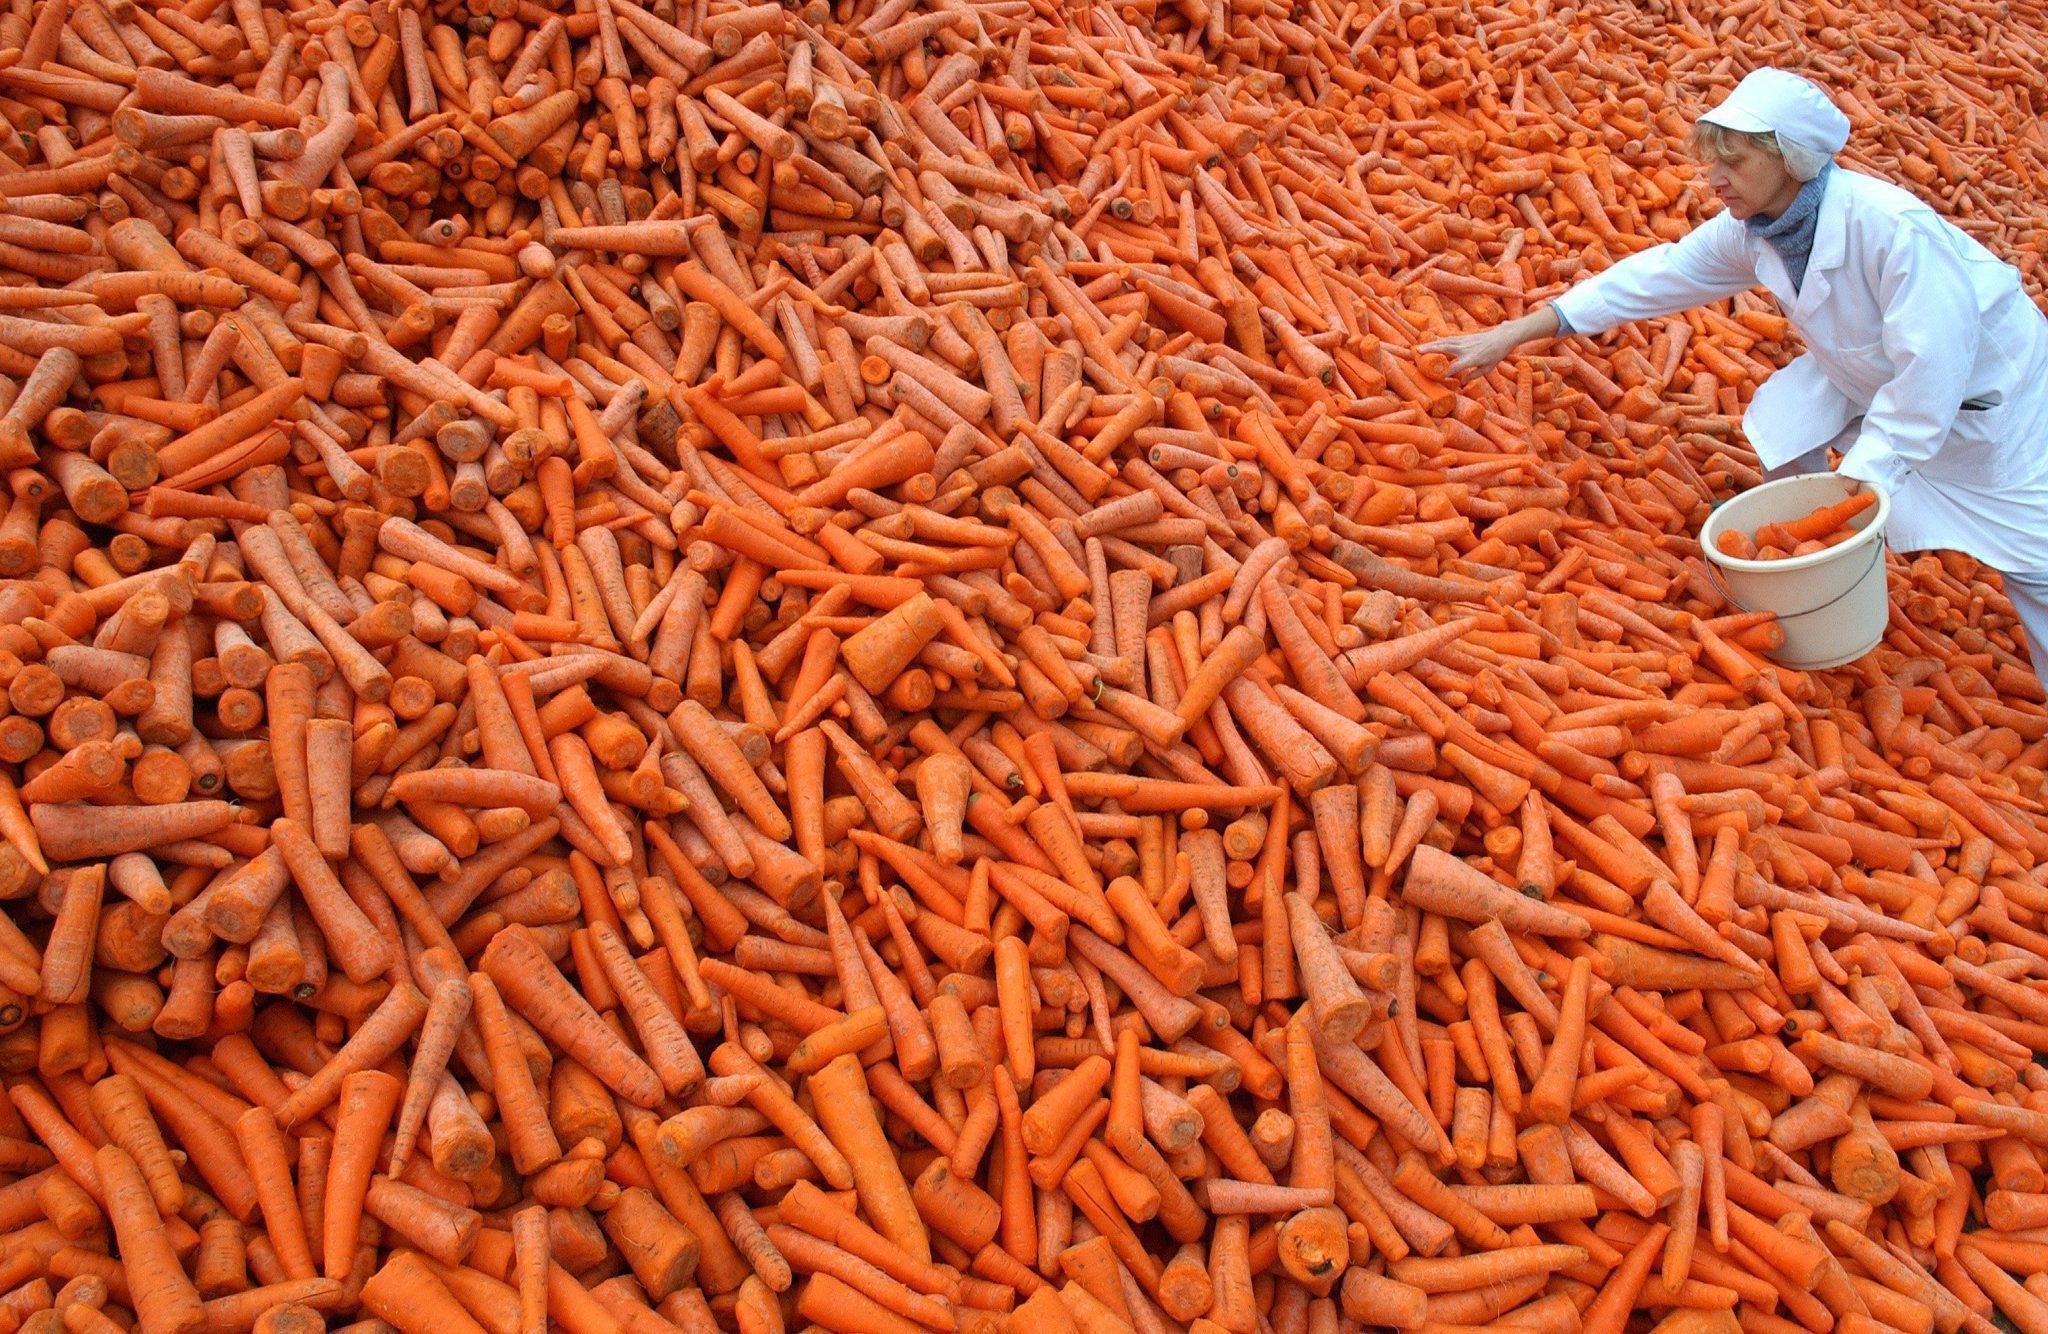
{"x": 693, "y": 667}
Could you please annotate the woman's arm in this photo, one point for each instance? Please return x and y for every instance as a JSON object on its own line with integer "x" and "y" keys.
{"x": 1709, "y": 263}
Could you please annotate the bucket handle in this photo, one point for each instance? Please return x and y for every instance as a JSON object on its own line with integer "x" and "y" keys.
{"x": 1720, "y": 585}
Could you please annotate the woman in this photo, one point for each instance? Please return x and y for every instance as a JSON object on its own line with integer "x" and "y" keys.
{"x": 1926, "y": 364}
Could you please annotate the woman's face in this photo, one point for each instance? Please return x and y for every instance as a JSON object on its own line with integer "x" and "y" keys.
{"x": 1751, "y": 182}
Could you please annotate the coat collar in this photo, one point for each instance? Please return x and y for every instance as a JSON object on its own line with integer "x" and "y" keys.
{"x": 1830, "y": 247}
{"x": 1830, "y": 233}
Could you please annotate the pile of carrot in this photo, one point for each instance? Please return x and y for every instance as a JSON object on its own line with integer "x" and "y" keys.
{"x": 707, "y": 666}
{"x": 1818, "y": 529}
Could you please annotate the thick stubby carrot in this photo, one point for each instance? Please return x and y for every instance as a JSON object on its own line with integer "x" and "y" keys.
{"x": 1442, "y": 884}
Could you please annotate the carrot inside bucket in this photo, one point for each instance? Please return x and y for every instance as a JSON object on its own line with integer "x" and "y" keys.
{"x": 1830, "y": 603}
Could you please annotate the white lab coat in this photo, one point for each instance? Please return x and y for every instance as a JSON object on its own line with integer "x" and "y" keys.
{"x": 1905, "y": 319}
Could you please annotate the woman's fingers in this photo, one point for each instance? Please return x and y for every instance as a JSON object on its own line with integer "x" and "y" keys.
{"x": 1458, "y": 349}
{"x": 1471, "y": 354}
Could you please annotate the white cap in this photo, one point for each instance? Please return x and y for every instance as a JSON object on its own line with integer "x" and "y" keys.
{"x": 1778, "y": 101}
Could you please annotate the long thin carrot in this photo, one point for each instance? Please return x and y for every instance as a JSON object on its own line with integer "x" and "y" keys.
{"x": 165, "y": 1298}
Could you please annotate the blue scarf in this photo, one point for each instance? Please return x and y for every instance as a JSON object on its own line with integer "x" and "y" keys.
{"x": 1791, "y": 232}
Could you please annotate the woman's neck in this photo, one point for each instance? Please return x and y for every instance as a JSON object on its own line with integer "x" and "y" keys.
{"x": 1783, "y": 199}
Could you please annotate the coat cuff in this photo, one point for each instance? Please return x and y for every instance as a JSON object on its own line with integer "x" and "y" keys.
{"x": 1584, "y": 310}
{"x": 1880, "y": 468}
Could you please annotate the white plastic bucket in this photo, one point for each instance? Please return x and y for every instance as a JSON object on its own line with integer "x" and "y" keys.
{"x": 1831, "y": 604}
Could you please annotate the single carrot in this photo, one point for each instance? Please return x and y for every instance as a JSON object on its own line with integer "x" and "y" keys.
{"x": 165, "y": 1298}
{"x": 447, "y": 1013}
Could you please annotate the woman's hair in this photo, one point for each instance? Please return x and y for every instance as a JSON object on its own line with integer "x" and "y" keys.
{"x": 1717, "y": 143}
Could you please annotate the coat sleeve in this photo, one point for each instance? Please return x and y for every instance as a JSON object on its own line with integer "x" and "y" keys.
{"x": 1709, "y": 263}
{"x": 1931, "y": 330}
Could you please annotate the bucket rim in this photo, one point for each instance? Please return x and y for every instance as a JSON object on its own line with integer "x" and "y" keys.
{"x": 1712, "y": 528}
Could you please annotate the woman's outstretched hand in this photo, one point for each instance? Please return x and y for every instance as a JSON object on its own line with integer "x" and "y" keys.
{"x": 1478, "y": 353}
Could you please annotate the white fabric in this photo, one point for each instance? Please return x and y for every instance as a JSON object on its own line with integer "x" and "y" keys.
{"x": 1905, "y": 319}
{"x": 1804, "y": 163}
{"x": 1775, "y": 101}
{"x": 1812, "y": 461}
{"x": 2029, "y": 597}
